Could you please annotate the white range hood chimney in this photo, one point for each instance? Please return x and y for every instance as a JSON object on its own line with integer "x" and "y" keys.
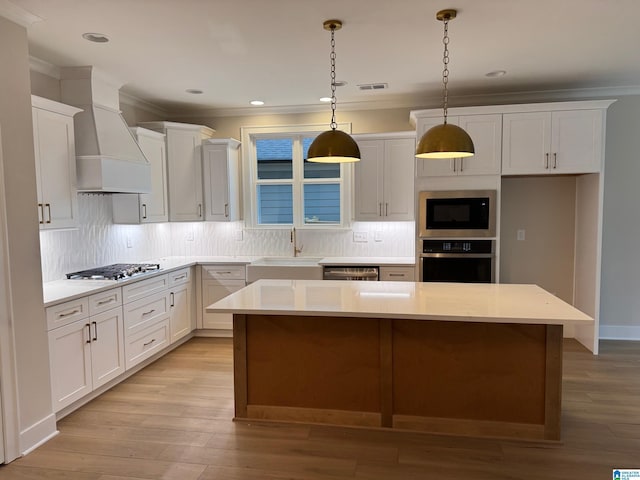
{"x": 107, "y": 155}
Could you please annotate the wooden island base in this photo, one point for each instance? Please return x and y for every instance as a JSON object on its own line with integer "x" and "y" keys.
{"x": 467, "y": 378}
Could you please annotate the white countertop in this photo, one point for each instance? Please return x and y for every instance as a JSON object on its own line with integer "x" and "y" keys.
{"x": 63, "y": 290}
{"x": 468, "y": 302}
{"x": 374, "y": 261}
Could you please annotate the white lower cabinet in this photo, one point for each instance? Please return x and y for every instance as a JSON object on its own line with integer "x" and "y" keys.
{"x": 218, "y": 281}
{"x": 85, "y": 353}
{"x": 397, "y": 274}
{"x": 182, "y": 318}
{"x": 147, "y": 342}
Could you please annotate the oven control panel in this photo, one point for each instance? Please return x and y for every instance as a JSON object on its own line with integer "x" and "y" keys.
{"x": 457, "y": 246}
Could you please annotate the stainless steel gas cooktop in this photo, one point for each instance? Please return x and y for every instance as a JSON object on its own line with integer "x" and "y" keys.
{"x": 116, "y": 271}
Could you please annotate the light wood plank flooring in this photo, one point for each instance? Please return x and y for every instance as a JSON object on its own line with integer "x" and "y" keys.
{"x": 172, "y": 421}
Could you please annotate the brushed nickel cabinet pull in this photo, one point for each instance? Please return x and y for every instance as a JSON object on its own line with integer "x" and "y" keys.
{"x": 149, "y": 312}
{"x": 104, "y": 302}
{"x": 149, "y": 342}
{"x": 88, "y": 328}
{"x": 226, "y": 210}
{"x": 555, "y": 160}
{"x": 462, "y": 164}
{"x": 173, "y": 300}
{"x": 546, "y": 160}
{"x": 386, "y": 209}
{"x": 48, "y": 205}
{"x": 199, "y": 210}
{"x": 95, "y": 331}
{"x": 396, "y": 274}
{"x": 41, "y": 213}
{"x": 181, "y": 277}
{"x": 380, "y": 209}
{"x": 67, "y": 314}
{"x": 144, "y": 210}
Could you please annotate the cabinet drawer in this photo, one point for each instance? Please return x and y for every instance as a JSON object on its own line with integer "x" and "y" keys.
{"x": 147, "y": 342}
{"x": 137, "y": 290}
{"x": 397, "y": 274}
{"x": 232, "y": 272}
{"x": 142, "y": 313}
{"x": 103, "y": 301}
{"x": 179, "y": 277}
{"x": 67, "y": 312}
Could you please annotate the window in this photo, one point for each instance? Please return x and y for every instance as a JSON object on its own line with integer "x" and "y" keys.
{"x": 283, "y": 187}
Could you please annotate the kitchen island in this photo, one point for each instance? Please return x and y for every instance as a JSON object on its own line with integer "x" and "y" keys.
{"x": 469, "y": 359}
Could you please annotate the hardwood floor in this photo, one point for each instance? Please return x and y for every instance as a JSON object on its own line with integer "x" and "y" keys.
{"x": 172, "y": 421}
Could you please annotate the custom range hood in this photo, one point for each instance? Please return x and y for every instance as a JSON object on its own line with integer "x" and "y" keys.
{"x": 108, "y": 158}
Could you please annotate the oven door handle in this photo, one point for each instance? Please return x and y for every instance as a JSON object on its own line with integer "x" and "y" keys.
{"x": 457, "y": 255}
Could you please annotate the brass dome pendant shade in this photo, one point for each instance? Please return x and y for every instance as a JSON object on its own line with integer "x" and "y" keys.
{"x": 333, "y": 146}
{"x": 445, "y": 140}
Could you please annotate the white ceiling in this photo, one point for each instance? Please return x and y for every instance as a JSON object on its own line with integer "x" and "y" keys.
{"x": 277, "y": 51}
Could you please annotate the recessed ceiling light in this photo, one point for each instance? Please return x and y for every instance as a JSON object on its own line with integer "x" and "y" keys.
{"x": 496, "y": 74}
{"x": 257, "y": 103}
{"x": 194, "y": 91}
{"x": 95, "y": 37}
{"x": 325, "y": 99}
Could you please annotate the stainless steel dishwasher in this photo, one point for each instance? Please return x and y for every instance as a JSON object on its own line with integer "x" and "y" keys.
{"x": 341, "y": 272}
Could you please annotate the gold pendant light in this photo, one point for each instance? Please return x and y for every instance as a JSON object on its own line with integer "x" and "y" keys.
{"x": 445, "y": 140}
{"x": 333, "y": 146}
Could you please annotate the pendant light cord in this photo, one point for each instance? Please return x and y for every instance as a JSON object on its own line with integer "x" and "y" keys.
{"x": 445, "y": 71}
{"x": 334, "y": 125}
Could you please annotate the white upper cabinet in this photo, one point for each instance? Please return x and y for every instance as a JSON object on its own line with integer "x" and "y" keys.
{"x": 151, "y": 207}
{"x": 221, "y": 179}
{"x": 486, "y": 133}
{"x": 566, "y": 141}
{"x": 54, "y": 148}
{"x": 184, "y": 168}
{"x": 384, "y": 177}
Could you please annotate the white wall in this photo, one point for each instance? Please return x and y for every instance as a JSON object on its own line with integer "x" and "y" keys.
{"x": 620, "y": 299}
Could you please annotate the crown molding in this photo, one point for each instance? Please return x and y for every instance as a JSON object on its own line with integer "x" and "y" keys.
{"x": 133, "y": 101}
{"x": 46, "y": 68}
{"x": 17, "y": 14}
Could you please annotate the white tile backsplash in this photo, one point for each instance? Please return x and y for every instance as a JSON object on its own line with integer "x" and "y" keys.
{"x": 100, "y": 242}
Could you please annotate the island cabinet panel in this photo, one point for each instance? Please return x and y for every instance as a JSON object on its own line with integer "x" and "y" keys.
{"x": 331, "y": 365}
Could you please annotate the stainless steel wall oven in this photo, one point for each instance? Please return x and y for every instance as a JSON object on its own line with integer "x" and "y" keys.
{"x": 467, "y": 261}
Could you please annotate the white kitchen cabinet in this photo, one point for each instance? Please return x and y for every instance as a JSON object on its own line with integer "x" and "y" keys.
{"x": 87, "y": 351}
{"x": 384, "y": 177}
{"x": 133, "y": 208}
{"x": 397, "y": 274}
{"x": 486, "y": 133}
{"x": 180, "y": 304}
{"x": 221, "y": 179}
{"x": 54, "y": 149}
{"x": 184, "y": 168}
{"x": 219, "y": 281}
{"x": 558, "y": 142}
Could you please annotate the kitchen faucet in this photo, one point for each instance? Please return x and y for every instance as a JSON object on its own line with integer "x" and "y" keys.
{"x": 296, "y": 250}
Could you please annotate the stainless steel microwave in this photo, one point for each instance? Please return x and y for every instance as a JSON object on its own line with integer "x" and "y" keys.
{"x": 459, "y": 213}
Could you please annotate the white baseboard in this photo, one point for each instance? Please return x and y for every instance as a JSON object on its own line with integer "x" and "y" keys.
{"x": 37, "y": 434}
{"x": 619, "y": 332}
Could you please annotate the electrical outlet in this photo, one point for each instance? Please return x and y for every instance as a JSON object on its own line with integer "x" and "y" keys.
{"x": 377, "y": 236}
{"x": 189, "y": 236}
{"x": 360, "y": 237}
{"x": 520, "y": 234}
{"x": 129, "y": 242}
{"x": 237, "y": 235}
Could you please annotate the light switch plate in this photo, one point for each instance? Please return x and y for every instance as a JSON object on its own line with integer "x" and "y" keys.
{"x": 360, "y": 237}
{"x": 237, "y": 235}
{"x": 520, "y": 234}
{"x": 377, "y": 236}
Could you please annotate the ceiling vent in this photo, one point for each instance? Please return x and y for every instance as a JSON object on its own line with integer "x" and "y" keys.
{"x": 373, "y": 86}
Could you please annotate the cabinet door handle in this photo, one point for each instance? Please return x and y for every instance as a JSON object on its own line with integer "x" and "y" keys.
{"x": 144, "y": 211}
{"x": 380, "y": 209}
{"x": 386, "y": 209}
{"x": 226, "y": 210}
{"x": 223, "y": 273}
{"x": 546, "y": 161}
{"x": 180, "y": 277}
{"x": 95, "y": 331}
{"x": 89, "y": 337}
{"x": 173, "y": 299}
{"x": 104, "y": 302}
{"x": 462, "y": 164}
{"x": 67, "y": 314}
{"x": 149, "y": 312}
{"x": 453, "y": 164}
{"x": 48, "y": 205}
{"x": 555, "y": 160}
{"x": 149, "y": 342}
{"x": 396, "y": 274}
{"x": 199, "y": 210}
{"x": 41, "y": 213}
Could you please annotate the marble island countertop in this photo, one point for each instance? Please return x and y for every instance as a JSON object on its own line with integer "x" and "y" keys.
{"x": 496, "y": 303}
